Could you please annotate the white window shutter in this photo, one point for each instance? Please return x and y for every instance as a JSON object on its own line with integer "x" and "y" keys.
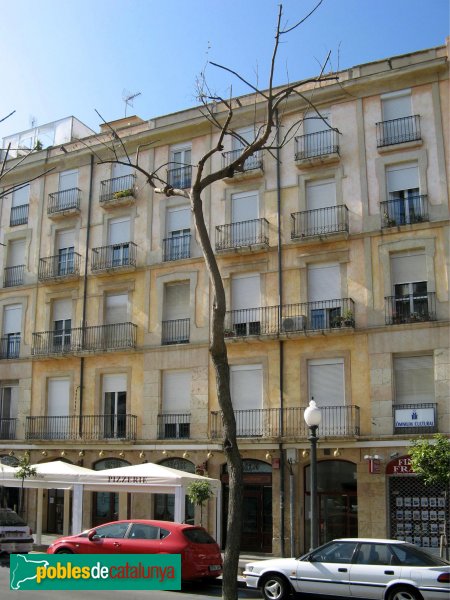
{"x": 62, "y": 310}
{"x": 177, "y": 391}
{"x": 247, "y": 387}
{"x": 244, "y": 207}
{"x": 402, "y": 177}
{"x": 313, "y": 123}
{"x": 68, "y": 180}
{"x": 21, "y": 197}
{"x": 16, "y": 253}
{"x": 176, "y": 301}
{"x": 321, "y": 194}
{"x": 247, "y": 133}
{"x": 58, "y": 398}
{"x": 408, "y": 267}
{"x": 119, "y": 170}
{"x": 116, "y": 308}
{"x": 119, "y": 231}
{"x": 326, "y": 382}
{"x": 324, "y": 282}
{"x": 414, "y": 379}
{"x": 116, "y": 382}
{"x": 246, "y": 291}
{"x": 65, "y": 239}
{"x": 178, "y": 219}
{"x": 12, "y": 319}
{"x": 396, "y": 106}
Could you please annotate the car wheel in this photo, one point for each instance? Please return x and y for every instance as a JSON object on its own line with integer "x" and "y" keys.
{"x": 275, "y": 587}
{"x": 64, "y": 551}
{"x": 403, "y": 593}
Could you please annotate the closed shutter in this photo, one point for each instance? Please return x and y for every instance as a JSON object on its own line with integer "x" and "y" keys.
{"x": 65, "y": 239}
{"x": 396, "y": 106}
{"x": 414, "y": 379}
{"x": 115, "y": 383}
{"x": 21, "y": 197}
{"x": 244, "y": 207}
{"x": 116, "y": 308}
{"x": 324, "y": 282}
{"x": 58, "y": 399}
{"x": 246, "y": 387}
{"x": 408, "y": 267}
{"x": 321, "y": 194}
{"x": 12, "y": 319}
{"x": 62, "y": 310}
{"x": 119, "y": 231}
{"x": 177, "y": 391}
{"x": 248, "y": 135}
{"x": 121, "y": 170}
{"x": 326, "y": 382}
{"x": 68, "y": 180}
{"x": 176, "y": 301}
{"x": 16, "y": 253}
{"x": 313, "y": 123}
{"x": 246, "y": 291}
{"x": 402, "y": 177}
{"x": 178, "y": 219}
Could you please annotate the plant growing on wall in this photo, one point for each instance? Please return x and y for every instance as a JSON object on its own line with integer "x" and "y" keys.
{"x": 24, "y": 471}
{"x": 198, "y": 493}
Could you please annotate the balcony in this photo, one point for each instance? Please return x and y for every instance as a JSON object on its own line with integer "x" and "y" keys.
{"x": 415, "y": 418}
{"x": 116, "y": 336}
{"x": 174, "y": 426}
{"x": 63, "y": 203}
{"x": 8, "y": 429}
{"x": 322, "y": 146}
{"x": 319, "y": 222}
{"x": 180, "y": 177}
{"x": 13, "y": 276}
{"x": 59, "y": 267}
{"x": 291, "y": 319}
{"x": 117, "y": 256}
{"x": 86, "y": 427}
{"x": 118, "y": 191}
{"x": 177, "y": 247}
{"x": 337, "y": 421}
{"x": 176, "y": 331}
{"x": 245, "y": 234}
{"x": 10, "y": 346}
{"x": 398, "y": 131}
{"x": 252, "y": 166}
{"x": 19, "y": 215}
{"x": 412, "y": 308}
{"x": 404, "y": 211}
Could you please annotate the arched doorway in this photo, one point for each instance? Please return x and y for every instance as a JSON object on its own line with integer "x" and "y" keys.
{"x": 338, "y": 500}
{"x": 164, "y": 504}
{"x": 9, "y": 496}
{"x": 105, "y": 505}
{"x": 257, "y": 506}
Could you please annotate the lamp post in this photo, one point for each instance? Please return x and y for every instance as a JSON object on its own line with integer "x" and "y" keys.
{"x": 312, "y": 418}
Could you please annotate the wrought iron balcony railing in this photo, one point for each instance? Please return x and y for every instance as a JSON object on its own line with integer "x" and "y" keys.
{"x": 116, "y": 256}
{"x": 404, "y": 211}
{"x": 61, "y": 266}
{"x": 242, "y": 234}
{"x": 397, "y": 131}
{"x": 7, "y": 429}
{"x": 177, "y": 247}
{"x": 19, "y": 215}
{"x": 415, "y": 418}
{"x": 176, "y": 331}
{"x": 319, "y": 222}
{"x": 86, "y": 427}
{"x": 10, "y": 345}
{"x": 315, "y": 145}
{"x": 13, "y": 276}
{"x": 270, "y": 320}
{"x": 84, "y": 339}
{"x": 252, "y": 163}
{"x": 174, "y": 426}
{"x": 337, "y": 421}
{"x": 412, "y": 308}
{"x": 180, "y": 177}
{"x": 64, "y": 201}
{"x": 117, "y": 188}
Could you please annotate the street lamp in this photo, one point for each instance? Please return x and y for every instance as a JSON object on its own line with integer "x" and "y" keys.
{"x": 312, "y": 418}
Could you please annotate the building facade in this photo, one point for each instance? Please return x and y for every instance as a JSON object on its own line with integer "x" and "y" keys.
{"x": 335, "y": 264}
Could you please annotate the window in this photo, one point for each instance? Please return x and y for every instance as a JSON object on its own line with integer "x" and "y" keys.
{"x": 119, "y": 170}
{"x": 20, "y": 205}
{"x": 399, "y": 124}
{"x": 246, "y": 304}
{"x": 247, "y": 398}
{"x": 318, "y": 138}
{"x": 65, "y": 246}
{"x": 119, "y": 241}
{"x": 15, "y": 265}
{"x": 9, "y": 398}
{"x": 336, "y": 552}
{"x": 116, "y": 530}
{"x": 324, "y": 295}
{"x": 68, "y": 180}
{"x": 321, "y": 203}
{"x": 180, "y": 167}
{"x": 396, "y": 105}
{"x": 62, "y": 325}
{"x": 245, "y": 228}
{"x": 177, "y": 243}
{"x": 116, "y": 306}
{"x": 141, "y": 531}
{"x": 327, "y": 387}
{"x": 405, "y": 203}
{"x": 12, "y": 326}
{"x": 246, "y": 137}
{"x": 176, "y": 404}
{"x": 176, "y": 321}
{"x": 58, "y": 409}
{"x": 374, "y": 554}
{"x": 115, "y": 405}
{"x": 409, "y": 277}
{"x": 414, "y": 408}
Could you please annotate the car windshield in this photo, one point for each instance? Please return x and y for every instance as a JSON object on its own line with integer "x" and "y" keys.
{"x": 9, "y": 518}
{"x": 198, "y": 536}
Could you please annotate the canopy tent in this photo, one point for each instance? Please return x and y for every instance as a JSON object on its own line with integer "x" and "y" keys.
{"x": 147, "y": 478}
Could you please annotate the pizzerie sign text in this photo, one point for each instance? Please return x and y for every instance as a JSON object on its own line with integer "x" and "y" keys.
{"x": 122, "y": 479}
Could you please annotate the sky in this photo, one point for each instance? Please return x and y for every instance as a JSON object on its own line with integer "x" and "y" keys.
{"x": 70, "y": 57}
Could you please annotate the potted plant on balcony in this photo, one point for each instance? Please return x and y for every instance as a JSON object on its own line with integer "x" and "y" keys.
{"x": 123, "y": 194}
{"x": 389, "y": 221}
{"x": 348, "y": 318}
{"x": 336, "y": 322}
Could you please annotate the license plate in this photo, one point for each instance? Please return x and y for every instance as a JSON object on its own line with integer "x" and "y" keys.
{"x": 16, "y": 534}
{"x": 215, "y": 567}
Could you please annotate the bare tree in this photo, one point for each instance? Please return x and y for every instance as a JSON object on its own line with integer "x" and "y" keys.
{"x": 269, "y": 106}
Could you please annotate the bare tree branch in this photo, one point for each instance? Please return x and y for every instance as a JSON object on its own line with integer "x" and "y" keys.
{"x": 301, "y": 20}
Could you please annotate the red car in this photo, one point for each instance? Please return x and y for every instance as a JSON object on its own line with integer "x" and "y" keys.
{"x": 200, "y": 554}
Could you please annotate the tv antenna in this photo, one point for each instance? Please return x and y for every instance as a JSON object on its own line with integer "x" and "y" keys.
{"x": 33, "y": 121}
{"x": 128, "y": 98}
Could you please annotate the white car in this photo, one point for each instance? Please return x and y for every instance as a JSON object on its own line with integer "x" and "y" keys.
{"x": 355, "y": 567}
{"x": 15, "y": 535}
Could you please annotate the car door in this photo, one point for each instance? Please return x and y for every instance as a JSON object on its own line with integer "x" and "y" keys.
{"x": 372, "y": 569}
{"x": 326, "y": 570}
{"x": 108, "y": 539}
{"x": 142, "y": 538}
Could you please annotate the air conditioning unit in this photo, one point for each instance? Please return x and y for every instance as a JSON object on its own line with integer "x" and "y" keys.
{"x": 294, "y": 323}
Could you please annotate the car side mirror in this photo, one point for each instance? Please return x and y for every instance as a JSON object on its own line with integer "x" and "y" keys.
{"x": 92, "y": 535}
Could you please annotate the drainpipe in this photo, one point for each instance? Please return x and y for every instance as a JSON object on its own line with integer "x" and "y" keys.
{"x": 85, "y": 282}
{"x": 280, "y": 342}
